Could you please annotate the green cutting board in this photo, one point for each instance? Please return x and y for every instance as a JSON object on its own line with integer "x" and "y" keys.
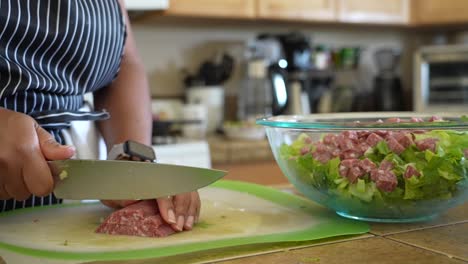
{"x": 233, "y": 214}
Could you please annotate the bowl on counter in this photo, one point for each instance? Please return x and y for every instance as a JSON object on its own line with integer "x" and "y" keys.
{"x": 382, "y": 167}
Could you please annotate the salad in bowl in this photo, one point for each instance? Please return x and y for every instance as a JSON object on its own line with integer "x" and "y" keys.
{"x": 385, "y": 167}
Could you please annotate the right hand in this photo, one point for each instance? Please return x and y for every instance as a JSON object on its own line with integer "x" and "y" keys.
{"x": 25, "y": 148}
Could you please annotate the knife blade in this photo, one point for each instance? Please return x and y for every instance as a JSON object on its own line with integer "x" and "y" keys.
{"x": 126, "y": 180}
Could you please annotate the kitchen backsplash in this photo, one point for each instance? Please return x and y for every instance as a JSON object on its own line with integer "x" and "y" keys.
{"x": 169, "y": 47}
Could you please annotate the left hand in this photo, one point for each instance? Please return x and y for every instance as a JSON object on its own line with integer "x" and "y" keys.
{"x": 181, "y": 211}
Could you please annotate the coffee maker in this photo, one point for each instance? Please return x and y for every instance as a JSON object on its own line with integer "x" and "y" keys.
{"x": 305, "y": 85}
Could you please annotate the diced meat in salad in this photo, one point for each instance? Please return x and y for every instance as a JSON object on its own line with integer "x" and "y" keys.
{"x": 410, "y": 164}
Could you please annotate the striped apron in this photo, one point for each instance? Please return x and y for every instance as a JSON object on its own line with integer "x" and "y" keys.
{"x": 52, "y": 53}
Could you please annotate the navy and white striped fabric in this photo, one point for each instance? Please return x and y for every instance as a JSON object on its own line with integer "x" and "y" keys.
{"x": 52, "y": 52}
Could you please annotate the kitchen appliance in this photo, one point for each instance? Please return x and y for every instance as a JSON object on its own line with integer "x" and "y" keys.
{"x": 388, "y": 92}
{"x": 305, "y": 82}
{"x": 140, "y": 5}
{"x": 441, "y": 78}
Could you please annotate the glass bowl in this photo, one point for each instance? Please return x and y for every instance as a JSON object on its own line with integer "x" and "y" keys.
{"x": 382, "y": 167}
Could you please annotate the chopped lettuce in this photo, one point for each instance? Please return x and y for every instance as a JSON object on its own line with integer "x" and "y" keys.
{"x": 441, "y": 171}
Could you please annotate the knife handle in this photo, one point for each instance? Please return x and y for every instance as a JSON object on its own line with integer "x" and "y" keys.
{"x": 129, "y": 150}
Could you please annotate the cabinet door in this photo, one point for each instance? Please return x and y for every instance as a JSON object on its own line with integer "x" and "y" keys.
{"x": 439, "y": 11}
{"x": 374, "y": 11}
{"x": 212, "y": 8}
{"x": 315, "y": 10}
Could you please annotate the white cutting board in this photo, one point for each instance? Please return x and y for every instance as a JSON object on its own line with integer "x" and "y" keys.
{"x": 228, "y": 217}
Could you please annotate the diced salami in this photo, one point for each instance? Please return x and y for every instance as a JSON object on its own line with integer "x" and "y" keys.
{"x": 363, "y": 134}
{"x": 427, "y": 143}
{"x": 416, "y": 120}
{"x": 376, "y": 173}
{"x": 354, "y": 173}
{"x": 363, "y": 147}
{"x": 350, "y": 135}
{"x": 393, "y": 120}
{"x": 330, "y": 139}
{"x": 343, "y": 170}
{"x": 406, "y": 141}
{"x": 382, "y": 133}
{"x": 367, "y": 165}
{"x": 386, "y": 165}
{"x": 321, "y": 148}
{"x": 386, "y": 182}
{"x": 411, "y": 171}
{"x": 308, "y": 140}
{"x": 435, "y": 118}
{"x": 373, "y": 139}
{"x": 394, "y": 145}
{"x": 349, "y": 154}
{"x": 349, "y": 163}
{"x": 323, "y": 157}
{"x": 305, "y": 150}
{"x": 139, "y": 219}
{"x": 346, "y": 144}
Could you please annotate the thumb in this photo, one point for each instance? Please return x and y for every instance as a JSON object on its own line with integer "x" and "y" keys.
{"x": 50, "y": 148}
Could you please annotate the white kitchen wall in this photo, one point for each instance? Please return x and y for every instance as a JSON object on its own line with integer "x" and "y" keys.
{"x": 169, "y": 46}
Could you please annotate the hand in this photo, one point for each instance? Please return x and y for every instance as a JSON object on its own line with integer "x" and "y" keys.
{"x": 180, "y": 211}
{"x": 25, "y": 148}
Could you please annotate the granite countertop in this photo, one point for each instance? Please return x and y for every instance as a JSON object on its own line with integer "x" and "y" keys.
{"x": 442, "y": 240}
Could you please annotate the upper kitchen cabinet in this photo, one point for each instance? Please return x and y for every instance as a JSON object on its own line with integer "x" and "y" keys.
{"x": 212, "y": 8}
{"x": 439, "y": 11}
{"x": 313, "y": 10}
{"x": 372, "y": 11}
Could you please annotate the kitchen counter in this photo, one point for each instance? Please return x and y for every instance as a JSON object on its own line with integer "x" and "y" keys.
{"x": 442, "y": 240}
{"x": 227, "y": 151}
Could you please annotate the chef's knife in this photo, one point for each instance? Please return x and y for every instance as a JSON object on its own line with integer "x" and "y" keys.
{"x": 126, "y": 180}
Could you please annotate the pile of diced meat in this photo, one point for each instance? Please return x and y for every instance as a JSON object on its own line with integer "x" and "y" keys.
{"x": 139, "y": 219}
{"x": 350, "y": 146}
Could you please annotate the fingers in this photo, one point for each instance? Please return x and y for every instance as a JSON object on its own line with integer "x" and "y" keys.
{"x": 166, "y": 209}
{"x": 181, "y": 206}
{"x": 36, "y": 174}
{"x": 15, "y": 186}
{"x": 50, "y": 148}
{"x": 193, "y": 211}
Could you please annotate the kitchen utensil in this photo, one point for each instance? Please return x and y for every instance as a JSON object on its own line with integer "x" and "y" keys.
{"x": 233, "y": 214}
{"x": 126, "y": 180}
{"x": 402, "y": 170}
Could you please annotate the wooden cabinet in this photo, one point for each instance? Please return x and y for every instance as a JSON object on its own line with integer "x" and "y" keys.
{"x": 439, "y": 11}
{"x": 212, "y": 8}
{"x": 374, "y": 11}
{"x": 403, "y": 12}
{"x": 314, "y": 10}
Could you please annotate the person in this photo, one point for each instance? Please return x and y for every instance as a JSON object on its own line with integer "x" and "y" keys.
{"x": 52, "y": 53}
